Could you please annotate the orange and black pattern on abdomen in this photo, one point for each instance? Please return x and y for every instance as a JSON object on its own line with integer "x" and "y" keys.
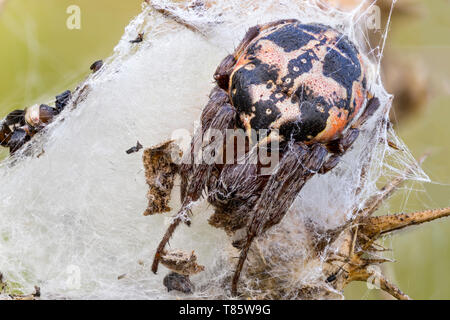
{"x": 308, "y": 48}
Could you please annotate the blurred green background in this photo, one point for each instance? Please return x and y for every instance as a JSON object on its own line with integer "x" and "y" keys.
{"x": 41, "y": 57}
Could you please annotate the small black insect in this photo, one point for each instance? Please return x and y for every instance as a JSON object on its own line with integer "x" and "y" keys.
{"x": 178, "y": 282}
{"x": 62, "y": 100}
{"x": 134, "y": 149}
{"x": 96, "y": 66}
{"x": 138, "y": 39}
{"x": 331, "y": 278}
{"x": 18, "y": 138}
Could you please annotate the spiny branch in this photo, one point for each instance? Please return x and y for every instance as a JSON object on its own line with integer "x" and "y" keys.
{"x": 392, "y": 289}
{"x": 389, "y": 223}
{"x": 377, "y": 279}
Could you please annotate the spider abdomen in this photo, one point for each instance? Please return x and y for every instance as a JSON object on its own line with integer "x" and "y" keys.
{"x": 305, "y": 80}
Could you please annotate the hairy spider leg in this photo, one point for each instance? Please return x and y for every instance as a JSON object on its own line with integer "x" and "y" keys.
{"x": 220, "y": 115}
{"x": 298, "y": 164}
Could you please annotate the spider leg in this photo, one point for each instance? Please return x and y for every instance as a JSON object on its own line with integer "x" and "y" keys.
{"x": 330, "y": 163}
{"x": 240, "y": 264}
{"x": 350, "y": 136}
{"x": 217, "y": 115}
{"x": 372, "y": 106}
{"x": 298, "y": 164}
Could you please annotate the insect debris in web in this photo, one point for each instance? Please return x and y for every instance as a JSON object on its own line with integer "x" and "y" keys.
{"x": 134, "y": 149}
{"x": 97, "y": 65}
{"x": 139, "y": 38}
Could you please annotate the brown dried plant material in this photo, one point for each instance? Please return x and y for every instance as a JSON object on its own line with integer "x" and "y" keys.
{"x": 181, "y": 262}
{"x": 357, "y": 256}
{"x": 160, "y": 173}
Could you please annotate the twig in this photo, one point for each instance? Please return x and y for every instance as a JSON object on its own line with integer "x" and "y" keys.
{"x": 377, "y": 279}
{"x": 392, "y": 289}
{"x": 389, "y": 223}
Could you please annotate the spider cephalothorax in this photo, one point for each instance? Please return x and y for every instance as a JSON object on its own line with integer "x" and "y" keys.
{"x": 304, "y": 84}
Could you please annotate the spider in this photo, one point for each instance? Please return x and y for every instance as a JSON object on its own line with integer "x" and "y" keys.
{"x": 306, "y": 86}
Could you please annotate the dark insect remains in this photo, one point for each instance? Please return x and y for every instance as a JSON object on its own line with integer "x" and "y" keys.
{"x": 134, "y": 149}
{"x": 19, "y": 126}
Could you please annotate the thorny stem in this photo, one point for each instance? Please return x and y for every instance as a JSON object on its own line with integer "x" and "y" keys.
{"x": 379, "y": 280}
{"x": 372, "y": 204}
{"x": 392, "y": 289}
{"x": 385, "y": 224}
{"x": 355, "y": 256}
{"x": 368, "y": 231}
